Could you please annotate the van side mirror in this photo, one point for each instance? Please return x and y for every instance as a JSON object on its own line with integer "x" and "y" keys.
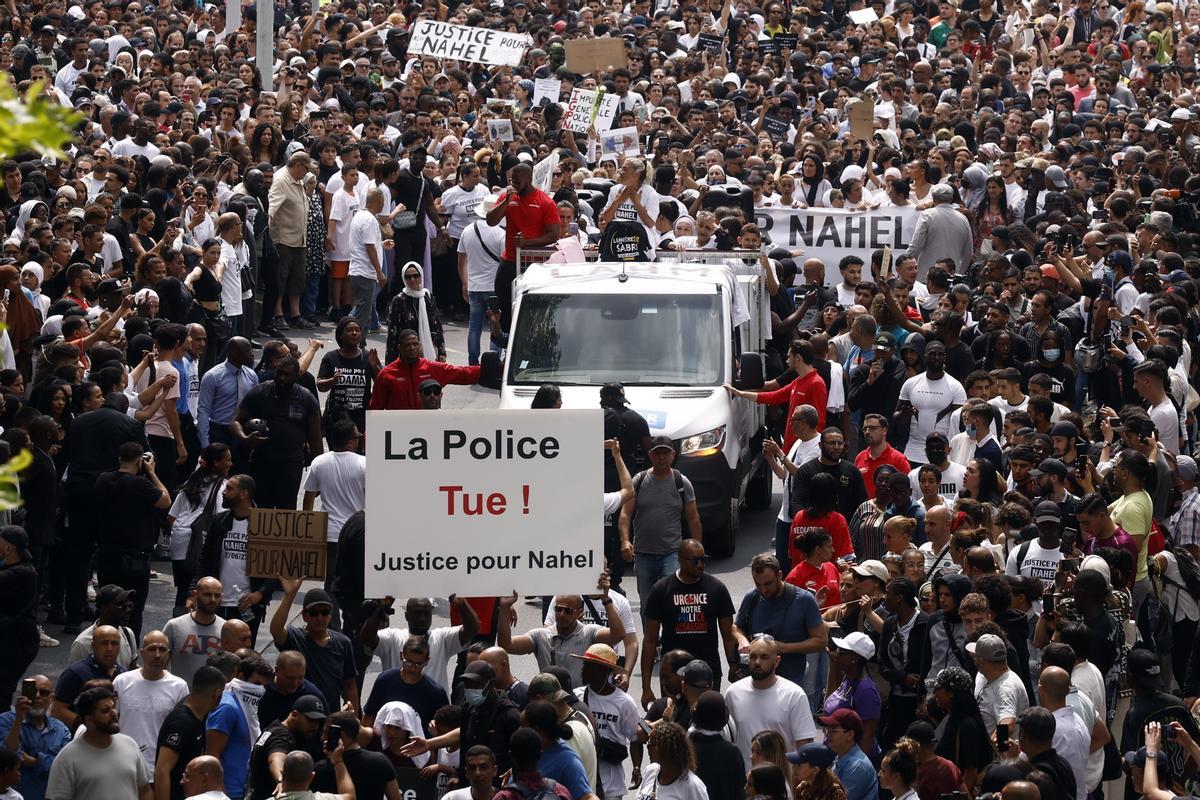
{"x": 490, "y": 370}
{"x": 750, "y": 372}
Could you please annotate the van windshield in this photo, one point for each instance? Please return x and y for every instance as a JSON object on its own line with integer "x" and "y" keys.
{"x": 591, "y": 339}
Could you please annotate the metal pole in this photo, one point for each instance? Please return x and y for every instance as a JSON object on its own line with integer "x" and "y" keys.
{"x": 233, "y": 17}
{"x": 264, "y": 41}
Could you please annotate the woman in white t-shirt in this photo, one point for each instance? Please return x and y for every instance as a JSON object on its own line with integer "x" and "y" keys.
{"x": 633, "y": 200}
{"x": 671, "y": 774}
{"x": 199, "y": 495}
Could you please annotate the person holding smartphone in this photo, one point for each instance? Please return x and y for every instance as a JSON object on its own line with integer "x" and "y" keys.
{"x": 300, "y": 730}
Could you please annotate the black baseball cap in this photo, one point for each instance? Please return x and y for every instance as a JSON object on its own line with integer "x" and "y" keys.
{"x": 310, "y": 706}
{"x": 1050, "y": 466}
{"x": 661, "y": 441}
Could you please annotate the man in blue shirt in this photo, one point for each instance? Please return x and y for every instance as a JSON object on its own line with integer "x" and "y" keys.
{"x": 35, "y": 736}
{"x": 789, "y": 614}
{"x": 843, "y": 730}
{"x": 232, "y": 727}
{"x": 102, "y": 663}
{"x": 221, "y": 390}
{"x": 407, "y": 683}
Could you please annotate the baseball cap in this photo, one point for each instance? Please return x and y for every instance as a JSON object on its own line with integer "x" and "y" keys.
{"x": 697, "y": 674}
{"x": 310, "y": 706}
{"x": 921, "y": 732}
{"x": 1145, "y": 668}
{"x": 814, "y": 754}
{"x": 871, "y": 568}
{"x": 661, "y": 441}
{"x": 479, "y": 673}
{"x": 547, "y": 686}
{"x": 885, "y": 341}
{"x": 1187, "y": 468}
{"x": 428, "y": 384}
{"x": 317, "y": 597}
{"x": 1047, "y": 511}
{"x": 856, "y": 642}
{"x": 843, "y": 718}
{"x": 19, "y": 539}
{"x": 988, "y": 647}
{"x": 110, "y": 594}
{"x": 1049, "y": 271}
{"x": 1181, "y": 115}
{"x": 1050, "y": 466}
{"x": 108, "y": 286}
{"x": 1138, "y": 759}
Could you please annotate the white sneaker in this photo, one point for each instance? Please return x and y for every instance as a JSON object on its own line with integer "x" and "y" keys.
{"x": 91, "y": 591}
{"x": 46, "y": 641}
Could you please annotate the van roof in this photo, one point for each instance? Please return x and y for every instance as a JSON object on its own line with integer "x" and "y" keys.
{"x": 599, "y": 273}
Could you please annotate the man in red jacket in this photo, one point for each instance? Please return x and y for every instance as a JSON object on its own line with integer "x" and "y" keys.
{"x": 398, "y": 384}
{"x": 807, "y": 389}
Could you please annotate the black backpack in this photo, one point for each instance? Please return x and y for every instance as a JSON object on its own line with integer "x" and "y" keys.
{"x": 544, "y": 792}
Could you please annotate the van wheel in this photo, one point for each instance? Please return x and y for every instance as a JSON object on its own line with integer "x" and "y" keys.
{"x": 758, "y": 490}
{"x": 722, "y": 542}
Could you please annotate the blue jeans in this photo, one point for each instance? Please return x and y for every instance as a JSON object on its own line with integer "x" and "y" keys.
{"x": 649, "y": 568}
{"x": 475, "y": 325}
{"x": 312, "y": 287}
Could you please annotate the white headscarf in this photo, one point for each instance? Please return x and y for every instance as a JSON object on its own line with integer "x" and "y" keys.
{"x": 428, "y": 349}
{"x": 23, "y": 217}
{"x": 403, "y": 716}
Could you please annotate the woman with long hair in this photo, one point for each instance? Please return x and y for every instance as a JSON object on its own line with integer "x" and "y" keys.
{"x": 415, "y": 309}
{"x": 204, "y": 282}
{"x": 821, "y": 513}
{"x": 991, "y": 212}
{"x": 813, "y": 776}
{"x": 55, "y": 402}
{"x": 857, "y": 691}
{"x": 817, "y": 568}
{"x": 671, "y": 774}
{"x": 866, "y": 524}
{"x": 548, "y": 396}
{"x": 769, "y": 748}
{"x": 998, "y": 352}
{"x": 898, "y": 770}
{"x": 981, "y": 483}
{"x": 929, "y": 481}
{"x": 962, "y": 737}
{"x": 266, "y": 145}
{"x": 199, "y": 497}
{"x": 768, "y": 782}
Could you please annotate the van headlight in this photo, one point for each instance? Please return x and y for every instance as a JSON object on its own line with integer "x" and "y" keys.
{"x": 703, "y": 444}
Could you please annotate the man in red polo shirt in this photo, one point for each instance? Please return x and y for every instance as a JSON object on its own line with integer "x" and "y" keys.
{"x": 532, "y": 220}
{"x": 807, "y": 389}
{"x": 878, "y": 452}
{"x": 398, "y": 385}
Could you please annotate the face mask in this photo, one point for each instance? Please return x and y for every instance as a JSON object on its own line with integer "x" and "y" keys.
{"x": 1052, "y": 354}
{"x": 474, "y": 697}
{"x": 970, "y": 430}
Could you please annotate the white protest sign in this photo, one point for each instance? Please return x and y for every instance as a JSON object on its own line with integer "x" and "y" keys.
{"x": 476, "y": 45}
{"x": 546, "y": 91}
{"x": 606, "y": 112}
{"x": 480, "y": 503}
{"x": 831, "y": 233}
{"x": 500, "y": 129}
{"x": 579, "y": 110}
{"x": 621, "y": 142}
{"x": 543, "y": 172}
{"x": 862, "y": 16}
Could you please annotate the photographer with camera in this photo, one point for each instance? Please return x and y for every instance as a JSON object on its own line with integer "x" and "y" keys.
{"x": 129, "y": 500}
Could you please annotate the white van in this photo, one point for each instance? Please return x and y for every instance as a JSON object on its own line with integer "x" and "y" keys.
{"x": 672, "y": 333}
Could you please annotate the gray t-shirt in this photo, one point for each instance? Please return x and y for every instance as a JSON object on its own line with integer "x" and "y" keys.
{"x": 191, "y": 644}
{"x": 83, "y": 772}
{"x": 552, "y": 650}
{"x": 657, "y": 522}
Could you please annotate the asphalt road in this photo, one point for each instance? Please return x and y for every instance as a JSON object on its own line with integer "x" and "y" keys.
{"x": 756, "y": 532}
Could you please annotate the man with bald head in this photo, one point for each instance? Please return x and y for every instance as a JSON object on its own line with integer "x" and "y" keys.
{"x": 1020, "y": 790}
{"x": 937, "y": 550}
{"x": 235, "y": 635}
{"x": 204, "y": 779}
{"x": 196, "y": 635}
{"x": 147, "y": 695}
{"x": 102, "y": 663}
{"x": 1072, "y": 738}
{"x": 517, "y": 690}
{"x": 766, "y": 701}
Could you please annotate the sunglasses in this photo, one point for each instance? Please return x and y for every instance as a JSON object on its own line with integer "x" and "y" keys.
{"x": 697, "y": 560}
{"x": 323, "y": 611}
{"x": 564, "y": 610}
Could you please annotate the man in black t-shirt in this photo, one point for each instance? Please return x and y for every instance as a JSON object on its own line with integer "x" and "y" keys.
{"x": 684, "y": 611}
{"x": 293, "y": 417}
{"x": 127, "y": 504}
{"x": 632, "y": 431}
{"x": 181, "y": 737}
{"x": 299, "y": 731}
{"x": 373, "y": 775}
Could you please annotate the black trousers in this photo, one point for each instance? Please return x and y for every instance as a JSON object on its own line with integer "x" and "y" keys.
{"x": 506, "y": 273}
{"x": 20, "y": 647}
{"x": 277, "y": 485}
{"x": 129, "y": 569}
{"x": 74, "y": 551}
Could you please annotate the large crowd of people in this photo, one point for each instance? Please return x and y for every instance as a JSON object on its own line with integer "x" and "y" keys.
{"x": 985, "y": 575}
